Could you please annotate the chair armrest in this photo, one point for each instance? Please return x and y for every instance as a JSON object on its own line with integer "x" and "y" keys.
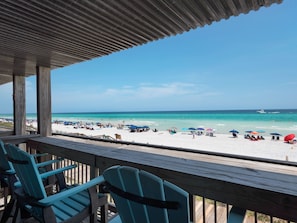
{"x": 7, "y": 172}
{"x": 49, "y": 162}
{"x": 39, "y": 154}
{"x": 69, "y": 192}
{"x": 49, "y": 173}
{"x": 56, "y": 171}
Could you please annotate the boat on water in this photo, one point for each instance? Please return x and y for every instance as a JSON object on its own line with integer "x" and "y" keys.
{"x": 261, "y": 111}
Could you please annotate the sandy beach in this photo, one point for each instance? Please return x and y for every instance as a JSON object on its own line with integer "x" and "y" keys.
{"x": 222, "y": 143}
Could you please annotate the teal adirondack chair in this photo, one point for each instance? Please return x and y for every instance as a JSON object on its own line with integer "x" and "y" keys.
{"x": 141, "y": 197}
{"x": 72, "y": 204}
{"x": 8, "y": 179}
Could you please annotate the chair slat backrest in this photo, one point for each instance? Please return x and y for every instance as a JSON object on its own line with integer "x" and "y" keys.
{"x": 4, "y": 164}
{"x": 27, "y": 171}
{"x": 132, "y": 183}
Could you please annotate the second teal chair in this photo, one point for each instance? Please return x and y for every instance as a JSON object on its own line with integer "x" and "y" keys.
{"x": 141, "y": 197}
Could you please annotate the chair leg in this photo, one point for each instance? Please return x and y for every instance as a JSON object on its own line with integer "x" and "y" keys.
{"x": 104, "y": 213}
{"x": 103, "y": 206}
{"x": 19, "y": 210}
{"x": 8, "y": 210}
{"x": 16, "y": 212}
{"x": 6, "y": 193}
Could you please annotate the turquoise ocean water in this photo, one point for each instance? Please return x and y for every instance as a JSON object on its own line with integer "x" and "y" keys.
{"x": 281, "y": 121}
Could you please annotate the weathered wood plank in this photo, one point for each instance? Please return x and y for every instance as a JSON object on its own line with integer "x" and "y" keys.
{"x": 263, "y": 187}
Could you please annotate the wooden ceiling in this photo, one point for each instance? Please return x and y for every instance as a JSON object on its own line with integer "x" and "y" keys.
{"x": 59, "y": 33}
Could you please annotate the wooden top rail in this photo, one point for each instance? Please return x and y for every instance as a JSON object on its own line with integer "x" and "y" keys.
{"x": 17, "y": 139}
{"x": 4, "y": 132}
{"x": 259, "y": 186}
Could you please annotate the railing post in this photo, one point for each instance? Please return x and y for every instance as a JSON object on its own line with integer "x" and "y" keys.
{"x": 103, "y": 208}
{"x": 192, "y": 208}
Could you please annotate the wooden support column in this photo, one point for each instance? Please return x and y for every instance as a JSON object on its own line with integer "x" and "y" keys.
{"x": 19, "y": 104}
{"x": 44, "y": 109}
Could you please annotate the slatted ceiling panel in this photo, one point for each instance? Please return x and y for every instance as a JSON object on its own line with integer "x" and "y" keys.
{"x": 139, "y": 23}
{"x": 177, "y": 18}
{"x": 59, "y": 33}
{"x": 116, "y": 32}
{"x": 193, "y": 13}
{"x": 154, "y": 11}
{"x": 74, "y": 29}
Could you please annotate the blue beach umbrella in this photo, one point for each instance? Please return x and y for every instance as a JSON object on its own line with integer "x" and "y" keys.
{"x": 275, "y": 134}
{"x": 133, "y": 127}
{"x": 234, "y": 131}
{"x": 200, "y": 129}
{"x": 192, "y": 129}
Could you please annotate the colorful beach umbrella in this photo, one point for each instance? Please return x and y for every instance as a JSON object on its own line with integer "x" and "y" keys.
{"x": 233, "y": 131}
{"x": 289, "y": 137}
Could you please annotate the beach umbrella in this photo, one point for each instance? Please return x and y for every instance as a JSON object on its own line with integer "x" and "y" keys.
{"x": 192, "y": 129}
{"x": 249, "y": 131}
{"x": 133, "y": 127}
{"x": 275, "y": 134}
{"x": 254, "y": 132}
{"x": 289, "y": 137}
{"x": 200, "y": 129}
{"x": 234, "y": 131}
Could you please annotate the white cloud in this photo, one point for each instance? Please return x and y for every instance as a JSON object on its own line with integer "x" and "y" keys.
{"x": 150, "y": 91}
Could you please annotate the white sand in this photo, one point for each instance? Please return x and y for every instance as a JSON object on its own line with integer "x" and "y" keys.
{"x": 223, "y": 143}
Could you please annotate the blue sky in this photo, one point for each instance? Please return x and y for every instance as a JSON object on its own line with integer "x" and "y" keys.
{"x": 245, "y": 62}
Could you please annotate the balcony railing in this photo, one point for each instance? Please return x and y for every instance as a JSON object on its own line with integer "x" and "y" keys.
{"x": 215, "y": 182}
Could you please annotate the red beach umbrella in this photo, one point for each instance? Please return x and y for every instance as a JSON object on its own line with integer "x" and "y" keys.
{"x": 289, "y": 137}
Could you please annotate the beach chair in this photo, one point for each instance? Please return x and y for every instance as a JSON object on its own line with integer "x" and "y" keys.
{"x": 8, "y": 179}
{"x": 72, "y": 204}
{"x": 140, "y": 196}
